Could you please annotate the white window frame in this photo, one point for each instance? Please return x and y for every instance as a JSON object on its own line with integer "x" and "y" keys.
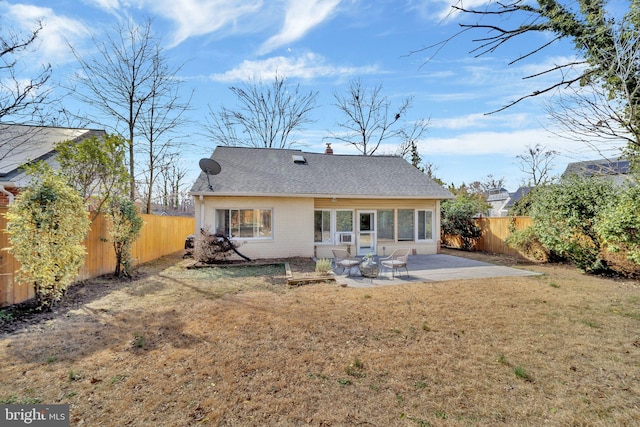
{"x": 417, "y": 225}
{"x": 353, "y": 220}
{"x": 332, "y": 227}
{"x": 335, "y": 235}
{"x": 215, "y": 222}
{"x": 397, "y": 225}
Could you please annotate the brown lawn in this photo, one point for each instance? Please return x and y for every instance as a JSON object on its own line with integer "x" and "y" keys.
{"x": 239, "y": 347}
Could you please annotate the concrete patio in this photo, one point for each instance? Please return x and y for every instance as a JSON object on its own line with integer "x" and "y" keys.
{"x": 431, "y": 268}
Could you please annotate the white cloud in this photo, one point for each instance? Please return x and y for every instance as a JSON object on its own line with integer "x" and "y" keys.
{"x": 447, "y": 12}
{"x": 56, "y": 31}
{"x": 199, "y": 17}
{"x": 482, "y": 121}
{"x": 308, "y": 66}
{"x": 505, "y": 142}
{"x": 300, "y": 17}
{"x": 441, "y": 10}
{"x": 490, "y": 142}
{"x": 107, "y": 5}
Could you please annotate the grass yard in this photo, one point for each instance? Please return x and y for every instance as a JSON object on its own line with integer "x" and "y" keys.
{"x": 239, "y": 347}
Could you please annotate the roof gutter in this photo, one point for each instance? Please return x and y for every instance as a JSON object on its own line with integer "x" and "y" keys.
{"x": 317, "y": 196}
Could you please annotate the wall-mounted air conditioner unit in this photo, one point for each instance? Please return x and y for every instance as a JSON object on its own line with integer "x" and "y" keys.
{"x": 345, "y": 238}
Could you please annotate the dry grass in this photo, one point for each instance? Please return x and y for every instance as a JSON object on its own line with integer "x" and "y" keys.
{"x": 206, "y": 347}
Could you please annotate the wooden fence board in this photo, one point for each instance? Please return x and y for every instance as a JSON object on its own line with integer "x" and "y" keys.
{"x": 160, "y": 235}
{"x": 495, "y": 233}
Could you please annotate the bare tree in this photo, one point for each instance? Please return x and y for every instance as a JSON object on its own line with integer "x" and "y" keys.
{"x": 599, "y": 117}
{"x": 537, "y": 163}
{"x": 172, "y": 184}
{"x": 592, "y": 26}
{"x": 20, "y": 97}
{"x": 267, "y": 115}
{"x": 369, "y": 118}
{"x": 485, "y": 187}
{"x": 126, "y": 80}
{"x": 161, "y": 117}
{"x": 409, "y": 146}
{"x": 63, "y": 118}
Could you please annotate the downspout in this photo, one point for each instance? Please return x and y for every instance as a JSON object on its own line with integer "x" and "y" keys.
{"x": 438, "y": 227}
{"x": 201, "y": 213}
{"x": 9, "y": 194}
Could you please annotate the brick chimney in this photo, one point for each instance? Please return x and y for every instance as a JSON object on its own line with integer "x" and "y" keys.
{"x": 328, "y": 150}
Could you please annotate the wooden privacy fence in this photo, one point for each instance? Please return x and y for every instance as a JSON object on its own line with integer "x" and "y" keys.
{"x": 495, "y": 231}
{"x": 160, "y": 235}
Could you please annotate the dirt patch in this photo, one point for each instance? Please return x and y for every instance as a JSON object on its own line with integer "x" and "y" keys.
{"x": 224, "y": 347}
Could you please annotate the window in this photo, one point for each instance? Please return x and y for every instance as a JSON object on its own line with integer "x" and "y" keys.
{"x": 385, "y": 224}
{"x": 322, "y": 227}
{"x": 329, "y": 225}
{"x": 344, "y": 221}
{"x": 425, "y": 225}
{"x": 244, "y": 223}
{"x": 406, "y": 226}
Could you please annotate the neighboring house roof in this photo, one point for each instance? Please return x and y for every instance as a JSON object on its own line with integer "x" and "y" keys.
{"x": 497, "y": 194}
{"x": 616, "y": 169}
{"x": 275, "y": 172}
{"x": 20, "y": 144}
{"x": 519, "y": 194}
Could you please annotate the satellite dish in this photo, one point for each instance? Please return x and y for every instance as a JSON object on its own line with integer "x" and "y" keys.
{"x": 210, "y": 167}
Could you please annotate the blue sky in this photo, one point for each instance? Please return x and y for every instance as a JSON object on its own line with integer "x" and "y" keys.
{"x": 322, "y": 44}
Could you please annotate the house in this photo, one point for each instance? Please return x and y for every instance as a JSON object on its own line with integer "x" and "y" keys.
{"x": 497, "y": 199}
{"x": 618, "y": 170}
{"x": 20, "y": 144}
{"x": 519, "y": 194}
{"x": 283, "y": 203}
{"x": 501, "y": 201}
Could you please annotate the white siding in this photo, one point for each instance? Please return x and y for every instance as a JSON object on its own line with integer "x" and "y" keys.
{"x": 292, "y": 224}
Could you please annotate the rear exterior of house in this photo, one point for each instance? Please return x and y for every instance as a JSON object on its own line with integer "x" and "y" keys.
{"x": 281, "y": 203}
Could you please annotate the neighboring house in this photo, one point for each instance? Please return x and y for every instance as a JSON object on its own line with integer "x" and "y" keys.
{"x": 501, "y": 201}
{"x": 515, "y": 197}
{"x": 283, "y": 203}
{"x": 497, "y": 200}
{"x": 618, "y": 170}
{"x": 20, "y": 144}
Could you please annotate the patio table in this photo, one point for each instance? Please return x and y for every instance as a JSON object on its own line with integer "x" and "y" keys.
{"x": 370, "y": 270}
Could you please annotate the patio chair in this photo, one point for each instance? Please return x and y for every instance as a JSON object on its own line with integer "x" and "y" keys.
{"x": 397, "y": 260}
{"x": 344, "y": 260}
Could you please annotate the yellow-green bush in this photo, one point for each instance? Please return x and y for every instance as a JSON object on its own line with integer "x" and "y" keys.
{"x": 47, "y": 226}
{"x": 125, "y": 227}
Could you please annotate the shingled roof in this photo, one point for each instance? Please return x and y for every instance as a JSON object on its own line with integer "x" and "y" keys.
{"x": 282, "y": 172}
{"x": 618, "y": 170}
{"x": 20, "y": 144}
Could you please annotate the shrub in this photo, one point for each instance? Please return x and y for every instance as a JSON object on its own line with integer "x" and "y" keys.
{"x": 324, "y": 265}
{"x": 564, "y": 217}
{"x": 619, "y": 230}
{"x": 47, "y": 226}
{"x": 125, "y": 227}
{"x": 528, "y": 244}
{"x": 458, "y": 219}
